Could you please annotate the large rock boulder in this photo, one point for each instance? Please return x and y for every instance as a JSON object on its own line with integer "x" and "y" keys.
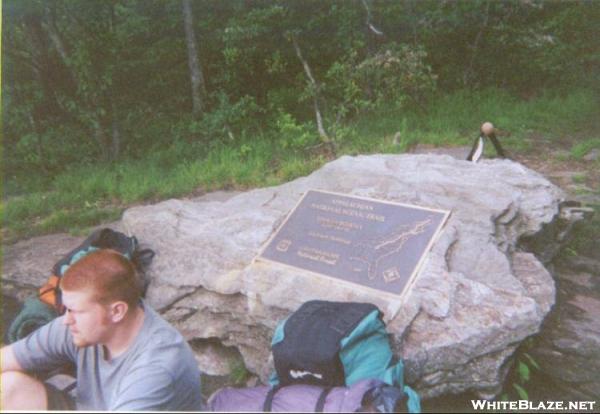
{"x": 478, "y": 295}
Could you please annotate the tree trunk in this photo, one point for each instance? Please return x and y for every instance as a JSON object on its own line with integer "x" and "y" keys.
{"x": 369, "y": 23}
{"x": 54, "y": 35}
{"x": 40, "y": 64}
{"x": 99, "y": 137}
{"x": 196, "y": 76}
{"x": 39, "y": 144}
{"x": 104, "y": 128}
{"x": 370, "y": 30}
{"x": 115, "y": 148}
{"x": 39, "y": 56}
{"x": 315, "y": 87}
{"x": 58, "y": 42}
{"x": 469, "y": 72}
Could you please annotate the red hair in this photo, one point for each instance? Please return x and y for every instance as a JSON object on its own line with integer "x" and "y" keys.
{"x": 107, "y": 274}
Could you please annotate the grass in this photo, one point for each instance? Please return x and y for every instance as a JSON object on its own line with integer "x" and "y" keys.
{"x": 580, "y": 149}
{"x": 88, "y": 195}
{"x": 455, "y": 119}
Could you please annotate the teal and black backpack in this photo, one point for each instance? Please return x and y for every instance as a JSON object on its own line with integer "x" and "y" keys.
{"x": 334, "y": 344}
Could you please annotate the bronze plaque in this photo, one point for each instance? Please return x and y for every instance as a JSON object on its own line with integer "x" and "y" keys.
{"x": 377, "y": 244}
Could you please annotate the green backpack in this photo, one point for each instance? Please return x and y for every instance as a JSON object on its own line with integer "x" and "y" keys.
{"x": 336, "y": 344}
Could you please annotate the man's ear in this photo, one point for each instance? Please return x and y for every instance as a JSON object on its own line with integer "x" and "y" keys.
{"x": 118, "y": 310}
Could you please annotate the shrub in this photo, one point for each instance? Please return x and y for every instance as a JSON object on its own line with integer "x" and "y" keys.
{"x": 292, "y": 135}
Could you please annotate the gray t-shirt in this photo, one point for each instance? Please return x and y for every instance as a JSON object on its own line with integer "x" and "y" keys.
{"x": 157, "y": 372}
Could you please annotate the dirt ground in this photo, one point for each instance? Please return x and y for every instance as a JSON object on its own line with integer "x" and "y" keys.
{"x": 580, "y": 179}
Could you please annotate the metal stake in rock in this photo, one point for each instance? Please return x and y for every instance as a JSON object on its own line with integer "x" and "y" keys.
{"x": 486, "y": 130}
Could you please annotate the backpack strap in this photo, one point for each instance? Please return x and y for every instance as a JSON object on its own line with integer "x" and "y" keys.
{"x": 321, "y": 401}
{"x": 267, "y": 405}
{"x": 413, "y": 401}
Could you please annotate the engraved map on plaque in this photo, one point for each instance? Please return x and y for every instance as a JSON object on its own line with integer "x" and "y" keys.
{"x": 377, "y": 244}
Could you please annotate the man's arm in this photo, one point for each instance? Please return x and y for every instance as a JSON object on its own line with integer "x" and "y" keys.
{"x": 8, "y": 360}
{"x": 45, "y": 349}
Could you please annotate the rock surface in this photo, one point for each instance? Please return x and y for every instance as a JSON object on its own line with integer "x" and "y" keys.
{"x": 476, "y": 298}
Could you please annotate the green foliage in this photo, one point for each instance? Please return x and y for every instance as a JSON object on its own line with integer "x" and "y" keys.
{"x": 530, "y": 361}
{"x": 293, "y": 135}
{"x": 227, "y": 121}
{"x": 239, "y": 374}
{"x": 94, "y": 82}
{"x": 396, "y": 73}
{"x": 521, "y": 46}
{"x": 522, "y": 392}
{"x": 394, "y": 76}
{"x": 294, "y": 167}
{"x": 521, "y": 374}
{"x": 77, "y": 220}
{"x": 97, "y": 98}
{"x": 523, "y": 370}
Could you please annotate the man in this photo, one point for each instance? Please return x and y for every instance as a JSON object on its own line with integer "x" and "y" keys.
{"x": 127, "y": 357}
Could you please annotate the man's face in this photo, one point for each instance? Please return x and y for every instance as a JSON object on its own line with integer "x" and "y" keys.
{"x": 87, "y": 319}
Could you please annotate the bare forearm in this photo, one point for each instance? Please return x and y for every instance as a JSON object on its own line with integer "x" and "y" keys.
{"x": 8, "y": 360}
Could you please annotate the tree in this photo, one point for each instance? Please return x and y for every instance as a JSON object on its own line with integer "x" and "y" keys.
{"x": 196, "y": 75}
{"x": 314, "y": 87}
{"x": 94, "y": 104}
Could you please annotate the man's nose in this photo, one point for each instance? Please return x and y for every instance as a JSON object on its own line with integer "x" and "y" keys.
{"x": 68, "y": 319}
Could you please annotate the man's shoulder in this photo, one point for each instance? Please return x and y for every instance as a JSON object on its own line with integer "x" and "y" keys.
{"x": 160, "y": 341}
{"x": 164, "y": 363}
{"x": 160, "y": 329}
